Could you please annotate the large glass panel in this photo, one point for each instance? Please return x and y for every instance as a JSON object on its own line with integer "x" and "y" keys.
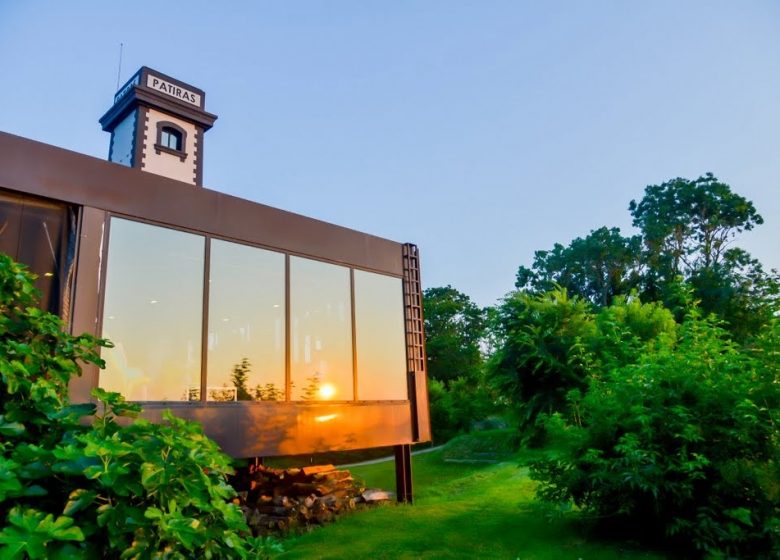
{"x": 379, "y": 332}
{"x": 321, "y": 325}
{"x": 246, "y": 324}
{"x": 153, "y": 312}
{"x": 10, "y": 223}
{"x": 41, "y": 234}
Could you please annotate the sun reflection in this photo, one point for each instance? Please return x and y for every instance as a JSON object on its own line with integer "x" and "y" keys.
{"x": 327, "y": 391}
{"x": 325, "y": 418}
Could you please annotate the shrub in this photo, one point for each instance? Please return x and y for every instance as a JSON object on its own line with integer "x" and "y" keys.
{"x": 70, "y": 489}
{"x": 550, "y": 344}
{"x": 543, "y": 352}
{"x": 681, "y": 445}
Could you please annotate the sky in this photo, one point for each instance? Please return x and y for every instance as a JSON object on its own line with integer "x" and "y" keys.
{"x": 482, "y": 131}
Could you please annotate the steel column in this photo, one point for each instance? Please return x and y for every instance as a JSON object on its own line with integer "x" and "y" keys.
{"x": 403, "y": 473}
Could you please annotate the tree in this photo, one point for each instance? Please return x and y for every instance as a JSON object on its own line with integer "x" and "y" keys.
{"x": 687, "y": 225}
{"x": 682, "y": 445}
{"x": 687, "y": 229}
{"x": 239, "y": 377}
{"x": 549, "y": 345}
{"x": 544, "y": 352}
{"x": 597, "y": 268}
{"x": 454, "y": 329}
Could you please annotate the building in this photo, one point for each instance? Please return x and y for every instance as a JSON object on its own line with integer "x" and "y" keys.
{"x": 281, "y": 334}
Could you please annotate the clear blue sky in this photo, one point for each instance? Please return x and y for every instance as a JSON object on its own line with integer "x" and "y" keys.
{"x": 480, "y": 130}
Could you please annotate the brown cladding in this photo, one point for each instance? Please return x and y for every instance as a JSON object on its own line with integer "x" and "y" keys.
{"x": 47, "y": 171}
{"x": 243, "y": 429}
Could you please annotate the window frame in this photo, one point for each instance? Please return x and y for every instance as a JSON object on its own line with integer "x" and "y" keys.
{"x": 160, "y": 147}
{"x": 209, "y": 236}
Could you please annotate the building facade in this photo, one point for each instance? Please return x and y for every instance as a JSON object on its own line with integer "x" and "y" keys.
{"x": 281, "y": 334}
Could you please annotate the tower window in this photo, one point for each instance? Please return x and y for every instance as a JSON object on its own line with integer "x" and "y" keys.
{"x": 171, "y": 139}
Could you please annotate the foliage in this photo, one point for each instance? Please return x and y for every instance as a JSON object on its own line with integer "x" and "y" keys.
{"x": 544, "y": 352}
{"x": 627, "y": 328}
{"x": 550, "y": 344}
{"x": 687, "y": 229}
{"x": 454, "y": 330}
{"x": 597, "y": 268}
{"x": 70, "y": 489}
{"x": 239, "y": 377}
{"x": 455, "y": 408}
{"x": 687, "y": 225}
{"x": 683, "y": 444}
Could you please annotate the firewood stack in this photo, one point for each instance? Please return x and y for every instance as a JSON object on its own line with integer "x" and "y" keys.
{"x": 282, "y": 499}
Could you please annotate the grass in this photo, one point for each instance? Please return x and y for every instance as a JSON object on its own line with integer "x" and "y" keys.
{"x": 462, "y": 510}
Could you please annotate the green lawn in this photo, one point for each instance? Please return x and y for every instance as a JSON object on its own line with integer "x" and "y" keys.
{"x": 460, "y": 511}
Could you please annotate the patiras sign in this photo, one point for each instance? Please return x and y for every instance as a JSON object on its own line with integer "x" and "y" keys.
{"x": 180, "y": 93}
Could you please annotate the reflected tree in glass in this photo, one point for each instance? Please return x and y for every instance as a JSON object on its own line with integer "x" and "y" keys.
{"x": 246, "y": 334}
{"x": 321, "y": 330}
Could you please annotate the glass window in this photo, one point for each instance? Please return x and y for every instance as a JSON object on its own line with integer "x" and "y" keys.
{"x": 171, "y": 138}
{"x": 153, "y": 312}
{"x": 321, "y": 327}
{"x": 41, "y": 234}
{"x": 246, "y": 343}
{"x": 380, "y": 337}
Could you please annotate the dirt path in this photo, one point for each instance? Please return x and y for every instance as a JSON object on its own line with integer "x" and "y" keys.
{"x": 390, "y": 458}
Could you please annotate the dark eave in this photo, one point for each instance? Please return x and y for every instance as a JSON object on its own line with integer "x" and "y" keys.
{"x": 141, "y": 95}
{"x": 43, "y": 170}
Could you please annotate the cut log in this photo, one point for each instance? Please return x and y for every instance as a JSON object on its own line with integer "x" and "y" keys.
{"x": 376, "y": 495}
{"x": 317, "y": 469}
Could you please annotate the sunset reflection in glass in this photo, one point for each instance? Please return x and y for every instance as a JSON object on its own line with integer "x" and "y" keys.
{"x": 152, "y": 312}
{"x": 321, "y": 329}
{"x": 246, "y": 324}
{"x": 381, "y": 344}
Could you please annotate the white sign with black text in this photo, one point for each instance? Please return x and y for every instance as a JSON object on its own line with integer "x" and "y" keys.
{"x": 158, "y": 84}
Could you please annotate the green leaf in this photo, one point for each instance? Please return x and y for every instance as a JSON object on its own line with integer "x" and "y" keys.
{"x": 75, "y": 411}
{"x": 11, "y": 428}
{"x": 740, "y": 514}
{"x": 78, "y": 500}
{"x": 30, "y": 531}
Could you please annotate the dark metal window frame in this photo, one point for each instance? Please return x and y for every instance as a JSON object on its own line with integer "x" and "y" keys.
{"x": 160, "y": 147}
{"x": 206, "y": 297}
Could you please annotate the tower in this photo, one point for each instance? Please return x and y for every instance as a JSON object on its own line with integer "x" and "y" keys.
{"x": 157, "y": 124}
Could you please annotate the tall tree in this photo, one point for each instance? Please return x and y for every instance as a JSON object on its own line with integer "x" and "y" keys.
{"x": 597, "y": 268}
{"x": 239, "y": 377}
{"x": 454, "y": 329}
{"x": 687, "y": 225}
{"x": 454, "y": 332}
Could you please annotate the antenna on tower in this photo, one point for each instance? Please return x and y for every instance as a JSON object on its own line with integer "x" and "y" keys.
{"x": 119, "y": 71}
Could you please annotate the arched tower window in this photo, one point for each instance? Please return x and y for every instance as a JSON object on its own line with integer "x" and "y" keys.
{"x": 172, "y": 139}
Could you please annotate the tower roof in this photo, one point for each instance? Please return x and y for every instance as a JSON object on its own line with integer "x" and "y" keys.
{"x": 154, "y": 89}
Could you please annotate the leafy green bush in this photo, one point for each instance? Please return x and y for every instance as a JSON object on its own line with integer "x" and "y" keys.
{"x": 457, "y": 406}
{"x": 75, "y": 490}
{"x": 543, "y": 352}
{"x": 683, "y": 444}
{"x": 550, "y": 344}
